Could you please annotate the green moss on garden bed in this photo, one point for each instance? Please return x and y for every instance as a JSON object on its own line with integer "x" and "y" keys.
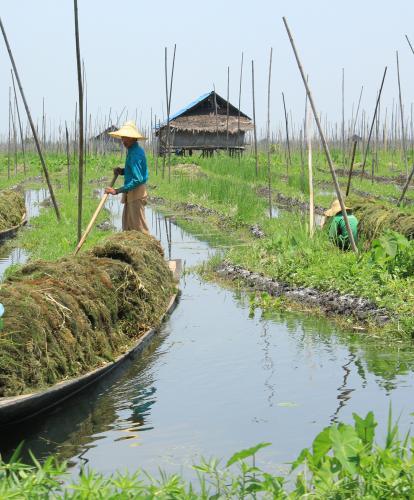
{"x": 68, "y": 317}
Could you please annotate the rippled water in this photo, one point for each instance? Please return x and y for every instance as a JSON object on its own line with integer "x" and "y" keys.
{"x": 218, "y": 379}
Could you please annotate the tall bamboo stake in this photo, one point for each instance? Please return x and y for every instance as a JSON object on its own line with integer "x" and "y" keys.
{"x": 254, "y": 125}
{"x": 67, "y": 154}
{"x": 20, "y": 123}
{"x": 310, "y": 174}
{"x": 269, "y": 179}
{"x": 343, "y": 118}
{"x": 288, "y": 158}
{"x": 238, "y": 114}
{"x": 373, "y": 122}
{"x": 351, "y": 165}
{"x": 29, "y": 116}
{"x": 9, "y": 138}
{"x": 404, "y": 145}
{"x": 228, "y": 108}
{"x": 14, "y": 138}
{"x": 357, "y": 111}
{"x": 169, "y": 111}
{"x": 81, "y": 136}
{"x": 324, "y": 143}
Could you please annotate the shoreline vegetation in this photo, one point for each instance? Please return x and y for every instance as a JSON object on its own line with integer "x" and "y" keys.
{"x": 344, "y": 461}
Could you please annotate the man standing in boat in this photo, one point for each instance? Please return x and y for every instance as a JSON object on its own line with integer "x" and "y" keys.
{"x": 135, "y": 172}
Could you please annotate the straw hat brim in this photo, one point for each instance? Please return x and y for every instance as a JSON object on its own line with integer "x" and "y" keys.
{"x": 335, "y": 209}
{"x": 118, "y": 134}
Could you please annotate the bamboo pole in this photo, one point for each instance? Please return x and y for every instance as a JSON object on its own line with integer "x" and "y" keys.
{"x": 238, "y": 113}
{"x": 254, "y": 125}
{"x": 373, "y": 122}
{"x": 228, "y": 108}
{"x": 81, "y": 136}
{"x": 9, "y": 138}
{"x": 67, "y": 154}
{"x": 29, "y": 116}
{"x": 351, "y": 165}
{"x": 288, "y": 158}
{"x": 169, "y": 111}
{"x": 20, "y": 123}
{"x": 310, "y": 175}
{"x": 404, "y": 145}
{"x": 14, "y": 138}
{"x": 343, "y": 118}
{"x": 324, "y": 143}
{"x": 269, "y": 179}
{"x": 94, "y": 217}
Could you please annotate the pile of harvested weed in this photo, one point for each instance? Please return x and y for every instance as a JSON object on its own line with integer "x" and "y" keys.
{"x": 375, "y": 217}
{"x": 68, "y": 317}
{"x": 12, "y": 208}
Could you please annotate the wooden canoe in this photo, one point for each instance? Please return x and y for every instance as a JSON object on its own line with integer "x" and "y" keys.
{"x": 16, "y": 409}
{"x": 11, "y": 231}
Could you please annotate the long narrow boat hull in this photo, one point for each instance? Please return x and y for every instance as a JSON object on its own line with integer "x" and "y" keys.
{"x": 14, "y": 410}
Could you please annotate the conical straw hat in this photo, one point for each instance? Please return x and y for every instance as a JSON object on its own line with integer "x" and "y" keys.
{"x": 128, "y": 129}
{"x": 335, "y": 209}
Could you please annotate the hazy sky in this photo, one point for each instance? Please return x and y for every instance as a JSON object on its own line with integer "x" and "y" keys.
{"x": 122, "y": 44}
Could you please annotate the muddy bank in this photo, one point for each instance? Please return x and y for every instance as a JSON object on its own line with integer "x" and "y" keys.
{"x": 329, "y": 302}
{"x": 399, "y": 180}
{"x": 287, "y": 202}
{"x": 199, "y": 210}
{"x": 68, "y": 317}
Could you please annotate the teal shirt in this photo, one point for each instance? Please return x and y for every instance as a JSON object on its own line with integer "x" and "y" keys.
{"x": 136, "y": 170}
{"x": 338, "y": 233}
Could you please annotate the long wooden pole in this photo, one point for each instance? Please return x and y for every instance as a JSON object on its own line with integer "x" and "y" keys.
{"x": 324, "y": 143}
{"x": 351, "y": 166}
{"x": 310, "y": 175}
{"x": 169, "y": 111}
{"x": 288, "y": 158}
{"x": 20, "y": 123}
{"x": 269, "y": 178}
{"x": 67, "y": 154}
{"x": 81, "y": 136}
{"x": 254, "y": 125}
{"x": 228, "y": 107}
{"x": 32, "y": 126}
{"x": 404, "y": 145}
{"x": 9, "y": 138}
{"x": 94, "y": 217}
{"x": 343, "y": 117}
{"x": 238, "y": 113}
{"x": 373, "y": 122}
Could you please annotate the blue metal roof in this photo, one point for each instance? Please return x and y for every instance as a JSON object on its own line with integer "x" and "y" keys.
{"x": 186, "y": 108}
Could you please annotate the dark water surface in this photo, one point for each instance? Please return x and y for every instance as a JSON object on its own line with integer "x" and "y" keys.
{"x": 217, "y": 380}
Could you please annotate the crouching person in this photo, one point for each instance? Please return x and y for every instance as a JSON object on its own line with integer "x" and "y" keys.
{"x": 338, "y": 233}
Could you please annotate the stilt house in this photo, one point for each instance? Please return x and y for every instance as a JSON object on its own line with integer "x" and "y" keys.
{"x": 207, "y": 124}
{"x": 104, "y": 142}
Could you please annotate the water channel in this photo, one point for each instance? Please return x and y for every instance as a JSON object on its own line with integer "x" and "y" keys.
{"x": 218, "y": 379}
